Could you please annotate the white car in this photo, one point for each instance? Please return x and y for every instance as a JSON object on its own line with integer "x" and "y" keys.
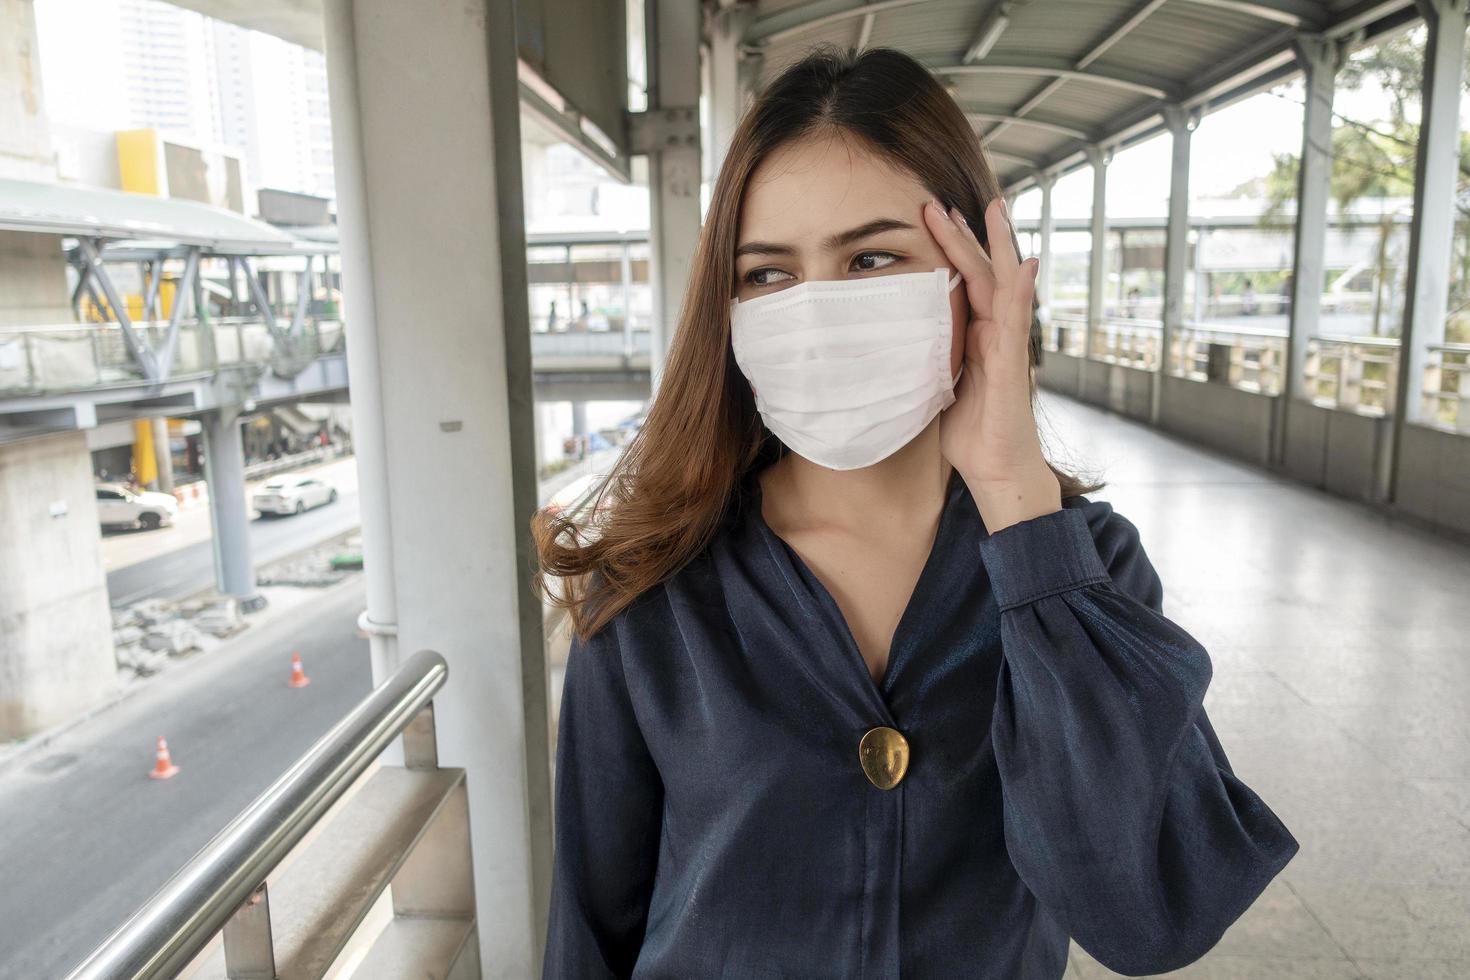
{"x": 117, "y": 506}
{"x": 292, "y": 494}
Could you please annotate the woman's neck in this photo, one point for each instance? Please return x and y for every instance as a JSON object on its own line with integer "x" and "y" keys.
{"x": 908, "y": 487}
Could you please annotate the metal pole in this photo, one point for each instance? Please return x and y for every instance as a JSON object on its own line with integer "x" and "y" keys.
{"x": 1320, "y": 58}
{"x": 627, "y": 274}
{"x": 1431, "y": 235}
{"x": 162, "y": 937}
{"x": 1095, "y": 265}
{"x": 1176, "y": 243}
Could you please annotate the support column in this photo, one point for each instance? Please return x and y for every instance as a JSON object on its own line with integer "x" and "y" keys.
{"x": 163, "y": 452}
{"x": 56, "y": 655}
{"x": 229, "y": 516}
{"x": 1044, "y": 234}
{"x": 1201, "y": 279}
{"x": 1096, "y": 264}
{"x": 1431, "y": 235}
{"x": 727, "y": 94}
{"x": 26, "y": 152}
{"x": 1122, "y": 269}
{"x": 145, "y": 456}
{"x": 1320, "y": 58}
{"x": 625, "y": 272}
{"x": 673, "y": 170}
{"x": 444, "y": 400}
{"x": 1181, "y": 125}
{"x": 579, "y": 418}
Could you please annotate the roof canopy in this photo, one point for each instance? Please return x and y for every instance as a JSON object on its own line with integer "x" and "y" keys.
{"x": 1040, "y": 79}
{"x": 1043, "y": 79}
{"x": 94, "y": 212}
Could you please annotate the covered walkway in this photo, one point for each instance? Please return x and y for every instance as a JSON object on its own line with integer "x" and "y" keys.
{"x": 1336, "y": 621}
{"x": 1338, "y": 637}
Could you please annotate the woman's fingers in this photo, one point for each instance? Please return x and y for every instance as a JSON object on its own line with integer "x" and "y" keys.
{"x": 1015, "y": 279}
{"x": 965, "y": 256}
{"x": 999, "y": 285}
{"x": 1003, "y": 258}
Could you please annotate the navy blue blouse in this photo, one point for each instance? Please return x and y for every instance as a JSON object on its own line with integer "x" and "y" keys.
{"x": 712, "y": 818}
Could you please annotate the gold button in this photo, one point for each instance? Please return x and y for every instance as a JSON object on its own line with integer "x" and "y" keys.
{"x": 884, "y": 753}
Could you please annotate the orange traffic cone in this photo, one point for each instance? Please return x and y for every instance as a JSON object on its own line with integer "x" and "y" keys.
{"x": 298, "y": 676}
{"x": 164, "y": 768}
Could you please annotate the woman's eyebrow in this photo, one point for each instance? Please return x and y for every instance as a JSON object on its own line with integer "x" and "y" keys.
{"x": 833, "y": 241}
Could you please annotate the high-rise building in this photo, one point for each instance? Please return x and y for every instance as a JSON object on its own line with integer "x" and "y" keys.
{"x": 146, "y": 64}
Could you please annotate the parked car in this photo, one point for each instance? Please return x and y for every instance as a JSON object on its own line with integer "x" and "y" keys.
{"x": 292, "y": 494}
{"x": 117, "y": 506}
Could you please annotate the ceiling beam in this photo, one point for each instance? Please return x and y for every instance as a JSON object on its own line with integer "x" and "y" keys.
{"x": 865, "y": 33}
{"x": 1001, "y": 156}
{"x": 789, "y": 23}
{"x": 1031, "y": 122}
{"x": 1156, "y": 88}
{"x": 997, "y": 19}
{"x": 1302, "y": 14}
{"x": 786, "y": 24}
{"x": 1370, "y": 20}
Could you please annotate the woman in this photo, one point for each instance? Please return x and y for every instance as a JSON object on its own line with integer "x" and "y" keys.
{"x": 861, "y": 685}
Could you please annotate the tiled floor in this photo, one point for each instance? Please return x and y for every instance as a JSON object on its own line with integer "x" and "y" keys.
{"x": 1341, "y": 646}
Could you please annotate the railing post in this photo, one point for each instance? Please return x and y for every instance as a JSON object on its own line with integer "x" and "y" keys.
{"x": 35, "y": 382}
{"x": 420, "y": 744}
{"x": 249, "y": 953}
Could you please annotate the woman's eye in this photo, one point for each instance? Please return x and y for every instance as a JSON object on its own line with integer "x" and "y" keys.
{"x": 868, "y": 261}
{"x": 757, "y": 277}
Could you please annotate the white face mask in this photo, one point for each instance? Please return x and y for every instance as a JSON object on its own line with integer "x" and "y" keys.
{"x": 847, "y": 371}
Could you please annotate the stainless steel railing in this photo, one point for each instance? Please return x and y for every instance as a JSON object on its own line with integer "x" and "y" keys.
{"x": 165, "y": 935}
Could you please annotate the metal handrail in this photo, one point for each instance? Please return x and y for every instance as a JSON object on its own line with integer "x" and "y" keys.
{"x": 165, "y": 935}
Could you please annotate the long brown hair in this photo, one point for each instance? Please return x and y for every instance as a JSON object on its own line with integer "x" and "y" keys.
{"x": 671, "y": 488}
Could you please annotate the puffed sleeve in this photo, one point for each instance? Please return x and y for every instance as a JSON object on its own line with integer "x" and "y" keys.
{"x": 607, "y": 822}
{"x": 1121, "y": 812}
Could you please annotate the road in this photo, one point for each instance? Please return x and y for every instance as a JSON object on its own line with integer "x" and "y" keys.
{"x": 89, "y": 837}
{"x": 173, "y": 562}
{"x": 177, "y": 561}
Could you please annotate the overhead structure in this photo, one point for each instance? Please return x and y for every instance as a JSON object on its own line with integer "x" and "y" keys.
{"x": 119, "y": 226}
{"x": 97, "y": 212}
{"x": 1045, "y": 79}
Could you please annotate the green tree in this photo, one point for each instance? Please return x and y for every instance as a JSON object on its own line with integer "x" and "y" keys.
{"x": 1375, "y": 158}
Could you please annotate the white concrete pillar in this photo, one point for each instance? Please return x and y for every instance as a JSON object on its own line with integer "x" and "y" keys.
{"x": 1431, "y": 235}
{"x": 1320, "y": 58}
{"x": 25, "y": 131}
{"x": 1045, "y": 232}
{"x": 56, "y": 656}
{"x": 1099, "y": 157}
{"x": 727, "y": 93}
{"x": 673, "y": 171}
{"x": 229, "y": 514}
{"x": 1176, "y": 244}
{"x": 426, "y": 137}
